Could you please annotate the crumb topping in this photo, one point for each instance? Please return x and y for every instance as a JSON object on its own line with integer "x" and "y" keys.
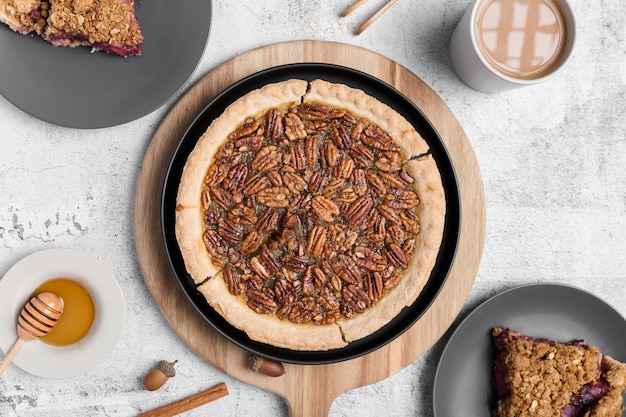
{"x": 539, "y": 377}
{"x": 21, "y": 15}
{"x": 105, "y": 21}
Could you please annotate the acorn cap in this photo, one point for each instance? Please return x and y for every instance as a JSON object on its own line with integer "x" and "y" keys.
{"x": 167, "y": 368}
{"x": 254, "y": 362}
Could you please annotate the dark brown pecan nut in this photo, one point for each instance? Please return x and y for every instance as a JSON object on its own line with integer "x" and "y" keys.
{"x": 374, "y": 286}
{"x": 294, "y": 127}
{"x": 295, "y": 263}
{"x": 389, "y": 162}
{"x": 347, "y": 269}
{"x": 304, "y": 310}
{"x": 285, "y": 292}
{"x": 261, "y": 302}
{"x": 249, "y": 127}
{"x": 369, "y": 259}
{"x": 270, "y": 261}
{"x": 344, "y": 168}
{"x": 274, "y": 197}
{"x": 313, "y": 112}
{"x": 392, "y": 180}
{"x": 330, "y": 153}
{"x": 395, "y": 234}
{"x": 273, "y": 124}
{"x": 258, "y": 267}
{"x": 362, "y": 155}
{"x": 300, "y": 204}
{"x": 402, "y": 199}
{"x": 356, "y": 298}
{"x": 393, "y": 280}
{"x": 320, "y": 277}
{"x": 267, "y": 220}
{"x": 268, "y": 159}
{"x": 359, "y": 180}
{"x": 256, "y": 183}
{"x": 314, "y": 126}
{"x": 316, "y": 182}
{"x": 297, "y": 156}
{"x": 238, "y": 261}
{"x": 215, "y": 244}
{"x": 389, "y": 214}
{"x": 232, "y": 280}
{"x": 358, "y": 211}
{"x": 216, "y": 174}
{"x": 376, "y": 183}
{"x": 221, "y": 197}
{"x": 316, "y": 241}
{"x": 294, "y": 182}
{"x": 312, "y": 152}
{"x": 395, "y": 255}
{"x": 324, "y": 208}
{"x": 409, "y": 222}
{"x": 340, "y": 136}
{"x": 328, "y": 300}
{"x": 308, "y": 281}
{"x": 249, "y": 143}
{"x": 242, "y": 214}
{"x": 376, "y": 138}
{"x": 358, "y": 129}
{"x": 408, "y": 246}
{"x": 333, "y": 186}
{"x": 251, "y": 243}
{"x": 275, "y": 178}
{"x": 229, "y": 230}
{"x": 290, "y": 223}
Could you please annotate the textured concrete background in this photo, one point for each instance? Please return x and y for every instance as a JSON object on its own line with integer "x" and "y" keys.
{"x": 552, "y": 159}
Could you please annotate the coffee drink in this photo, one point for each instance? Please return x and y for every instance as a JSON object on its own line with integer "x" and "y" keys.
{"x": 523, "y": 39}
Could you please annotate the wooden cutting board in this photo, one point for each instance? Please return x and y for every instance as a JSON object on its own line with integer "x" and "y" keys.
{"x": 308, "y": 390}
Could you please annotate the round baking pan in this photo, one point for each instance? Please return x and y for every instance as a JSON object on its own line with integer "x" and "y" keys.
{"x": 384, "y": 93}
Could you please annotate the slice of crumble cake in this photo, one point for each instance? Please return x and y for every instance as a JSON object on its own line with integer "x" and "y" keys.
{"x": 544, "y": 378}
{"x": 105, "y": 25}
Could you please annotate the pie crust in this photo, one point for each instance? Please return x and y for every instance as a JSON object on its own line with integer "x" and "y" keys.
{"x": 209, "y": 275}
{"x": 542, "y": 377}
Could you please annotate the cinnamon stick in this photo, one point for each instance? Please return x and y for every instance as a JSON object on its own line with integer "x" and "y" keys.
{"x": 188, "y": 403}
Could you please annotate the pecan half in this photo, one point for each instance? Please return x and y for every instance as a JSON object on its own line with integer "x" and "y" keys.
{"x": 324, "y": 208}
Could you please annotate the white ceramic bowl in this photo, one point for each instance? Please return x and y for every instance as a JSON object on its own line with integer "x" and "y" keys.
{"x": 42, "y": 359}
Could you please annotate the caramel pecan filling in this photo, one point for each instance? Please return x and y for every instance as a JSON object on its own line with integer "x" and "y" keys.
{"x": 310, "y": 213}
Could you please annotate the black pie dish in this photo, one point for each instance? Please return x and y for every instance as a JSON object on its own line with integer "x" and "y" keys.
{"x": 383, "y": 92}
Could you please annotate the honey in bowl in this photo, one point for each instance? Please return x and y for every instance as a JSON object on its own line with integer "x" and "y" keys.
{"x": 78, "y": 311}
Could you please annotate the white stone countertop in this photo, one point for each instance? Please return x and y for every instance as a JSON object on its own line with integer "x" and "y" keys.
{"x": 552, "y": 159}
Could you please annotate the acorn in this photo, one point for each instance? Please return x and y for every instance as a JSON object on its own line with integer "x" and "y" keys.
{"x": 159, "y": 375}
{"x": 265, "y": 366}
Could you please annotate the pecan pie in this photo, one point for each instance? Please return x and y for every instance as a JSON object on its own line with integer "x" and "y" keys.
{"x": 105, "y": 25}
{"x": 542, "y": 377}
{"x": 310, "y": 215}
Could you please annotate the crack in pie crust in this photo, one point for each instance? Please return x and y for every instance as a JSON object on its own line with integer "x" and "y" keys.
{"x": 545, "y": 378}
{"x": 310, "y": 215}
{"x": 105, "y": 25}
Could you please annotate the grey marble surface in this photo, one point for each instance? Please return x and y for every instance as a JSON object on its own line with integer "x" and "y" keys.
{"x": 552, "y": 159}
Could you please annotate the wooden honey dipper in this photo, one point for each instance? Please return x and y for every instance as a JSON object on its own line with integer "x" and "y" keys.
{"x": 36, "y": 319}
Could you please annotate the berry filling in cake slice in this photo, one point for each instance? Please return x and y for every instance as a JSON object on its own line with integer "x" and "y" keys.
{"x": 105, "y": 25}
{"x": 542, "y": 377}
{"x": 23, "y": 16}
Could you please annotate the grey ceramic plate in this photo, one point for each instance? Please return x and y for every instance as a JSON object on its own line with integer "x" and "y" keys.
{"x": 75, "y": 88}
{"x": 556, "y": 311}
